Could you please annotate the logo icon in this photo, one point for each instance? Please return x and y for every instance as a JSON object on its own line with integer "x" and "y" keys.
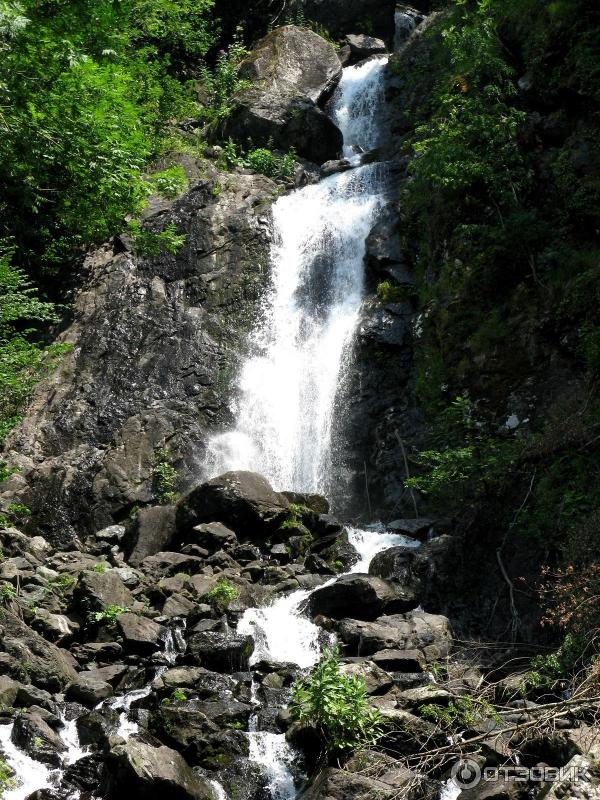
{"x": 466, "y": 773}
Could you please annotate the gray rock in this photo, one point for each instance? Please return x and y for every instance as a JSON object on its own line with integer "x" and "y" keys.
{"x": 213, "y": 536}
{"x": 292, "y": 69}
{"x": 34, "y": 736}
{"x": 362, "y": 597}
{"x": 44, "y": 663}
{"x": 400, "y": 660}
{"x": 140, "y": 635}
{"x": 9, "y": 690}
{"x": 113, "y": 534}
{"x": 89, "y": 690}
{"x": 97, "y": 590}
{"x": 416, "y": 630}
{"x": 221, "y": 652}
{"x": 377, "y": 681}
{"x": 144, "y": 769}
{"x": 363, "y": 46}
{"x": 239, "y": 499}
{"x": 152, "y": 532}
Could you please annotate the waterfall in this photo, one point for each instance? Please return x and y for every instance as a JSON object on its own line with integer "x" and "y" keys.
{"x": 286, "y": 391}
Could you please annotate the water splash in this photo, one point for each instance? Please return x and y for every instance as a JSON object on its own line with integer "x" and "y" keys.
{"x": 272, "y": 752}
{"x": 30, "y": 774}
{"x": 287, "y": 388}
{"x": 375, "y": 540}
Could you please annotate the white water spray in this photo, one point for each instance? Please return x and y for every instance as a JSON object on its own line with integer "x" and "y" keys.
{"x": 287, "y": 388}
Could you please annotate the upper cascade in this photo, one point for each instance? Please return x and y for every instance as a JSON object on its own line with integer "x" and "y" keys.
{"x": 286, "y": 393}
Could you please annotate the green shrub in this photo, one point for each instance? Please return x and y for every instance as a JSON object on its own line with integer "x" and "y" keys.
{"x": 164, "y": 479}
{"x": 337, "y": 706}
{"x": 152, "y": 243}
{"x": 388, "y": 293}
{"x": 461, "y": 712}
{"x": 222, "y": 594}
{"x": 7, "y": 777}
{"x": 170, "y": 182}
{"x": 222, "y": 84}
{"x": 108, "y": 615}
{"x": 7, "y": 592}
{"x": 263, "y": 160}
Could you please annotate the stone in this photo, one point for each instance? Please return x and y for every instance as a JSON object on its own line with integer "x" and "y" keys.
{"x": 400, "y": 660}
{"x": 422, "y": 695}
{"x": 243, "y": 500}
{"x": 88, "y": 444}
{"x": 47, "y": 666}
{"x": 56, "y": 627}
{"x": 113, "y": 534}
{"x": 97, "y": 590}
{"x": 406, "y": 20}
{"x": 152, "y": 531}
{"x": 141, "y": 636}
{"x": 428, "y": 633}
{"x": 377, "y": 681}
{"x": 363, "y": 46}
{"x": 291, "y": 71}
{"x": 89, "y": 690}
{"x": 221, "y": 652}
{"x": 419, "y": 528}
{"x": 36, "y": 738}
{"x": 144, "y": 769}
{"x": 9, "y": 690}
{"x": 213, "y": 536}
{"x": 361, "y": 596}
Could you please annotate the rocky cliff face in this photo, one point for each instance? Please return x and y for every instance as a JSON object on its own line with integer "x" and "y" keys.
{"x": 155, "y": 343}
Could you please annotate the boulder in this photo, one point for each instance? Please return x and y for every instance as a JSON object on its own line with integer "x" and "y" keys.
{"x": 416, "y": 630}
{"x": 221, "y": 652}
{"x": 9, "y": 690}
{"x": 141, "y": 636}
{"x": 151, "y": 532}
{"x": 89, "y": 690}
{"x": 36, "y": 738}
{"x": 45, "y": 665}
{"x": 213, "y": 536}
{"x": 406, "y": 21}
{"x": 360, "y": 596}
{"x": 97, "y": 590}
{"x": 377, "y": 681}
{"x": 243, "y": 500}
{"x": 363, "y": 46}
{"x": 400, "y": 660}
{"x": 143, "y": 769}
{"x": 396, "y": 565}
{"x": 291, "y": 70}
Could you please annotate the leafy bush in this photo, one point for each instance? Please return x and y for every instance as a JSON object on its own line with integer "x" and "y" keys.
{"x": 222, "y": 594}
{"x": 460, "y": 713}
{"x": 152, "y": 243}
{"x": 170, "y": 182}
{"x": 337, "y": 706}
{"x": 263, "y": 160}
{"x": 164, "y": 479}
{"x": 7, "y": 776}
{"x": 222, "y": 83}
{"x": 108, "y": 615}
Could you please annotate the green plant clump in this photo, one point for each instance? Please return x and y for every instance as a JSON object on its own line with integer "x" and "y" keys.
{"x": 7, "y": 777}
{"x": 108, "y": 615}
{"x": 337, "y": 706}
{"x": 222, "y": 594}
{"x": 164, "y": 479}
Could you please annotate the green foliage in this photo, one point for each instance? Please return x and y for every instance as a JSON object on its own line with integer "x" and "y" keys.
{"x": 547, "y": 671}
{"x": 7, "y": 776}
{"x": 100, "y": 567}
{"x": 389, "y": 293}
{"x": 62, "y": 584}
{"x": 222, "y": 84}
{"x": 152, "y": 243}
{"x": 22, "y": 361}
{"x": 337, "y": 706}
{"x": 7, "y": 592}
{"x": 263, "y": 160}
{"x": 222, "y": 594}
{"x": 170, "y": 182}
{"x": 294, "y": 522}
{"x": 164, "y": 479}
{"x": 108, "y": 615}
{"x": 18, "y": 510}
{"x": 460, "y": 713}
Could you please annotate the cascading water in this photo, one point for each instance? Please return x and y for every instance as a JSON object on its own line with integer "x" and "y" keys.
{"x": 287, "y": 388}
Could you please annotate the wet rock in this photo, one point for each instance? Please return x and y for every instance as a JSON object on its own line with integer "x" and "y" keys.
{"x": 407, "y": 19}
{"x": 292, "y": 69}
{"x": 152, "y": 531}
{"x": 95, "y": 727}
{"x": 142, "y": 769}
{"x": 243, "y": 500}
{"x": 97, "y": 590}
{"x": 416, "y": 630}
{"x": 221, "y": 652}
{"x": 85, "y": 773}
{"x": 420, "y": 528}
{"x": 140, "y": 635}
{"x": 89, "y": 690}
{"x": 44, "y": 663}
{"x": 332, "y": 168}
{"x": 213, "y": 536}
{"x": 314, "y": 502}
{"x": 57, "y": 628}
{"x": 395, "y": 565}
{"x": 361, "y": 596}
{"x": 363, "y": 46}
{"x": 113, "y": 534}
{"x": 204, "y": 683}
{"x": 36, "y": 738}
